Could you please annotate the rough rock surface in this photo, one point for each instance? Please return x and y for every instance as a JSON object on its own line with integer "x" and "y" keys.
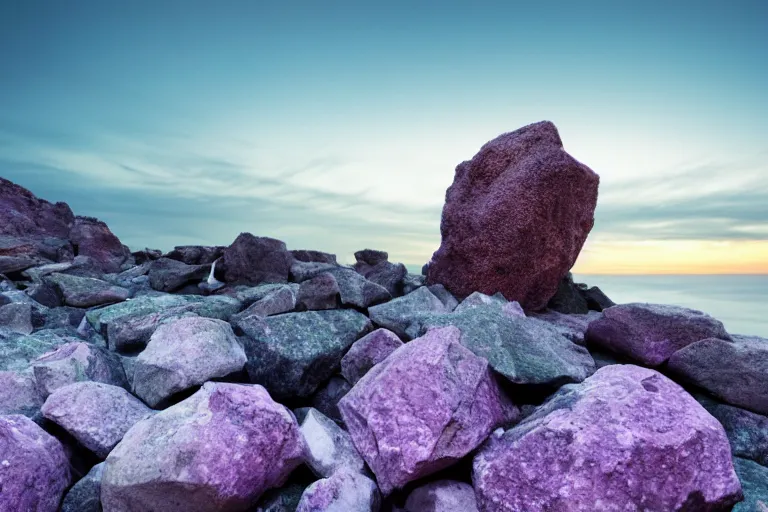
{"x": 515, "y": 218}
{"x": 96, "y": 414}
{"x": 367, "y": 352}
{"x": 17, "y": 317}
{"x": 34, "y": 471}
{"x": 735, "y": 371}
{"x": 569, "y": 298}
{"x": 477, "y": 299}
{"x": 344, "y": 491}
{"x": 747, "y": 432}
{"x": 282, "y": 299}
{"x": 327, "y": 398}
{"x": 310, "y": 256}
{"x": 85, "y": 292}
{"x": 398, "y": 314}
{"x": 329, "y": 447}
{"x": 196, "y": 254}
{"x": 448, "y": 300}
{"x": 92, "y": 238}
{"x": 442, "y": 496}
{"x": 184, "y": 353}
{"x": 76, "y": 362}
{"x": 255, "y": 260}
{"x": 16, "y": 351}
{"x": 85, "y": 495}
{"x": 167, "y": 275}
{"x": 293, "y": 354}
{"x": 651, "y": 333}
{"x": 204, "y": 454}
{"x": 19, "y": 394}
{"x": 320, "y": 292}
{"x": 423, "y": 408}
{"x": 627, "y": 438}
{"x": 754, "y": 483}
{"x": 374, "y": 266}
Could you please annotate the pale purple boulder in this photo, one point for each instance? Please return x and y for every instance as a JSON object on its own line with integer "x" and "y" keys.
{"x": 626, "y": 438}
{"x": 344, "y": 491}
{"x": 515, "y": 218}
{"x": 94, "y": 239}
{"x": 442, "y": 496}
{"x": 97, "y": 415}
{"x": 34, "y": 470}
{"x": 329, "y": 447}
{"x": 219, "y": 449}
{"x": 76, "y": 362}
{"x": 423, "y": 408}
{"x": 735, "y": 371}
{"x": 255, "y": 260}
{"x": 183, "y": 353}
{"x": 651, "y": 333}
{"x": 367, "y": 352}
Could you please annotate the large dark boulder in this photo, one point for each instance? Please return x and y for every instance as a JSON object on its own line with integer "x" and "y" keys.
{"x": 24, "y": 215}
{"x": 91, "y": 237}
{"x": 254, "y": 260}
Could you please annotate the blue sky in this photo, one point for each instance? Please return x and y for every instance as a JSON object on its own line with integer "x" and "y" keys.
{"x": 338, "y": 127}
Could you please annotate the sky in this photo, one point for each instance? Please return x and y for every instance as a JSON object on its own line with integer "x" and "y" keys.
{"x": 337, "y": 125}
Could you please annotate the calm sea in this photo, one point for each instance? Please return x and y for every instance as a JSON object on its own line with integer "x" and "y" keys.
{"x": 739, "y": 301}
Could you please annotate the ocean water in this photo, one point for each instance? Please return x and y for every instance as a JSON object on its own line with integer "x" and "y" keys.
{"x": 739, "y": 301}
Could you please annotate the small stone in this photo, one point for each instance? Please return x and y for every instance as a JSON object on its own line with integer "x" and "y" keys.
{"x": 17, "y": 317}
{"x": 167, "y": 275}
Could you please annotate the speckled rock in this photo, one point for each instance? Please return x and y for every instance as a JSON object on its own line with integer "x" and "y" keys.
{"x": 355, "y": 290}
{"x": 96, "y": 414}
{"x": 442, "y": 496}
{"x": 85, "y": 495}
{"x": 313, "y": 256}
{"x": 16, "y": 350}
{"x": 735, "y": 371}
{"x": 76, "y": 362}
{"x": 399, "y": 314}
{"x": 754, "y": 483}
{"x": 515, "y": 218}
{"x": 281, "y": 299}
{"x": 651, "y": 333}
{"x": 327, "y": 398}
{"x": 167, "y": 275}
{"x": 129, "y": 325}
{"x": 204, "y": 454}
{"x": 23, "y": 214}
{"x": 17, "y": 317}
{"x": 184, "y": 353}
{"x": 254, "y": 260}
{"x": 93, "y": 239}
{"x": 85, "y": 292}
{"x": 444, "y": 295}
{"x": 573, "y": 327}
{"x": 627, "y": 438}
{"x": 293, "y": 354}
{"x": 747, "y": 431}
{"x": 477, "y": 299}
{"x": 368, "y": 351}
{"x": 34, "y": 470}
{"x": 329, "y": 447}
{"x": 320, "y": 292}
{"x": 423, "y": 408}
{"x": 344, "y": 491}
{"x": 19, "y": 394}
{"x": 412, "y": 282}
{"x": 303, "y": 270}
{"x": 373, "y": 266}
{"x": 523, "y": 350}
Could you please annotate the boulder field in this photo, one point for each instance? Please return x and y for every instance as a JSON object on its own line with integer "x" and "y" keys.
{"x": 255, "y": 378}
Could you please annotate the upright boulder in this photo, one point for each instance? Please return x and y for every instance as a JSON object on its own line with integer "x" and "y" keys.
{"x": 627, "y": 438}
{"x": 91, "y": 237}
{"x": 515, "y": 218}
{"x": 254, "y": 260}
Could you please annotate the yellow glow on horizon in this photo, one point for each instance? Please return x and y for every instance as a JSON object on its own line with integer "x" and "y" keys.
{"x": 674, "y": 257}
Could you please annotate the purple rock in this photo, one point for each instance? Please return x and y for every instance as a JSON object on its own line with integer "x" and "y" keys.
{"x": 77, "y": 362}
{"x": 93, "y": 238}
{"x": 19, "y": 394}
{"x": 735, "y": 371}
{"x": 442, "y": 496}
{"x": 97, "y": 415}
{"x": 22, "y": 214}
{"x": 423, "y": 408}
{"x": 255, "y": 260}
{"x": 650, "y": 333}
{"x": 626, "y": 438}
{"x": 329, "y": 447}
{"x": 313, "y": 256}
{"x": 184, "y": 353}
{"x": 320, "y": 292}
{"x": 196, "y": 254}
{"x": 219, "y": 449}
{"x": 34, "y": 470}
{"x": 368, "y": 351}
{"x": 344, "y": 491}
{"x": 515, "y": 218}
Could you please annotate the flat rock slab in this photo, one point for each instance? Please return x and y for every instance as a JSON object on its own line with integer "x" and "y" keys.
{"x": 399, "y": 314}
{"x": 86, "y": 292}
{"x": 626, "y": 438}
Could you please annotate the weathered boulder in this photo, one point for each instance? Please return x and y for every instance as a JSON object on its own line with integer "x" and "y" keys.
{"x": 747, "y": 432}
{"x": 573, "y": 327}
{"x": 22, "y": 214}
{"x": 19, "y": 394}
{"x": 523, "y": 350}
{"x": 255, "y": 260}
{"x": 77, "y": 362}
{"x": 91, "y": 237}
{"x": 754, "y": 483}
{"x": 16, "y": 351}
{"x": 204, "y": 454}
{"x": 196, "y": 254}
{"x": 399, "y": 314}
{"x": 97, "y": 415}
{"x": 167, "y": 275}
{"x": 477, "y": 299}
{"x": 282, "y": 299}
{"x": 45, "y": 294}
{"x": 184, "y": 353}
{"x": 627, "y": 438}
{"x": 423, "y": 408}
{"x": 651, "y": 333}
{"x": 373, "y": 266}
{"x": 329, "y": 447}
{"x": 344, "y": 491}
{"x": 515, "y": 218}
{"x": 444, "y": 295}
{"x": 308, "y": 256}
{"x": 146, "y": 255}
{"x": 86, "y": 292}
{"x": 303, "y": 270}
{"x": 367, "y": 352}
{"x": 85, "y": 495}
{"x": 292, "y": 354}
{"x": 442, "y": 496}
{"x": 319, "y": 292}
{"x": 735, "y": 371}
{"x": 17, "y": 317}
{"x": 355, "y": 290}
{"x": 34, "y": 471}
{"x": 327, "y": 398}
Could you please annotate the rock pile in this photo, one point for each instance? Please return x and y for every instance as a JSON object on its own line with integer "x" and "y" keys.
{"x": 256, "y": 378}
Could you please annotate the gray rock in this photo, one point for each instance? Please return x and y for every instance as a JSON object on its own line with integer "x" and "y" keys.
{"x": 303, "y": 270}
{"x": 373, "y": 265}
{"x": 477, "y": 299}
{"x": 97, "y": 415}
{"x": 17, "y": 351}
{"x": 85, "y": 495}
{"x": 320, "y": 292}
{"x": 573, "y": 327}
{"x": 596, "y": 299}
{"x": 85, "y": 292}
{"x": 184, "y": 353}
{"x": 371, "y": 257}
{"x": 17, "y": 317}
{"x": 285, "y": 499}
{"x": 46, "y": 294}
{"x": 167, "y": 275}
{"x": 313, "y": 256}
{"x": 368, "y": 351}
{"x": 355, "y": 290}
{"x": 344, "y": 491}
{"x": 411, "y": 282}
{"x": 442, "y": 496}
{"x": 280, "y": 300}
{"x": 196, "y": 254}
{"x": 329, "y": 447}
{"x": 326, "y": 400}
{"x": 754, "y": 484}
{"x": 569, "y": 298}
{"x": 747, "y": 432}
{"x": 19, "y": 394}
{"x": 397, "y": 315}
{"x": 444, "y": 295}
{"x": 293, "y": 354}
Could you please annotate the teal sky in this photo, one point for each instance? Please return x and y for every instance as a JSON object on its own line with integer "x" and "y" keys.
{"x": 338, "y": 126}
